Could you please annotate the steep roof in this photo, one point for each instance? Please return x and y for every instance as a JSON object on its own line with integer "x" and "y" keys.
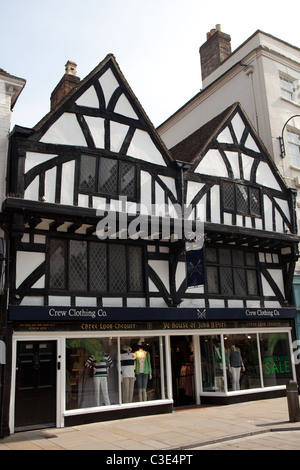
{"x": 191, "y": 147}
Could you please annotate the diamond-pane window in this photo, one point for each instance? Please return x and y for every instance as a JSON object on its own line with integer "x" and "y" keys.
{"x": 57, "y": 264}
{"x": 242, "y": 198}
{"x": 107, "y": 176}
{"x": 98, "y": 267}
{"x": 135, "y": 269}
{"x": 78, "y": 265}
{"x": 228, "y": 196}
{"x": 255, "y": 201}
{"x": 211, "y": 255}
{"x": 231, "y": 272}
{"x": 212, "y": 280}
{"x": 127, "y": 179}
{"x": 226, "y": 281}
{"x": 240, "y": 285}
{"x": 252, "y": 282}
{"x": 108, "y": 179}
{"x": 87, "y": 179}
{"x": 117, "y": 268}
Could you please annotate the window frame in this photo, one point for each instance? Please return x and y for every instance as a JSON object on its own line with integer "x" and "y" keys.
{"x": 288, "y": 92}
{"x": 220, "y": 266}
{"x": 294, "y": 159}
{"x": 65, "y": 287}
{"x": 236, "y": 207}
{"x": 97, "y": 189}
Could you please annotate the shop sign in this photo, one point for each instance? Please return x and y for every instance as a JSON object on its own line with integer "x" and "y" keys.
{"x": 277, "y": 365}
{"x": 108, "y": 314}
{"x": 151, "y": 326}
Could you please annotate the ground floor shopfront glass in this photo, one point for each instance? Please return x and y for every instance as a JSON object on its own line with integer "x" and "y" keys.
{"x": 104, "y": 371}
{"x": 234, "y": 362}
{"x": 94, "y": 371}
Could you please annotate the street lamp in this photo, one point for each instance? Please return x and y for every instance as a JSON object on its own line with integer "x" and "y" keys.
{"x": 281, "y": 140}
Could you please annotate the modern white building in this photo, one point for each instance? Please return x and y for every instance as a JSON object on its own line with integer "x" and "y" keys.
{"x": 10, "y": 89}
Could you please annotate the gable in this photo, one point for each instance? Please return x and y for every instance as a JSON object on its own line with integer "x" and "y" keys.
{"x": 231, "y": 178}
{"x": 100, "y": 123}
{"x": 236, "y": 153}
{"x": 104, "y": 114}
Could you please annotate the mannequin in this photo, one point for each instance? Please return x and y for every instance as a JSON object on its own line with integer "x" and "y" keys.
{"x": 127, "y": 359}
{"x": 143, "y": 372}
{"x": 100, "y": 372}
{"x": 236, "y": 363}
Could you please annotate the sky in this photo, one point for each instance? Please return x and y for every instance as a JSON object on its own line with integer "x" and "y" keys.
{"x": 156, "y": 44}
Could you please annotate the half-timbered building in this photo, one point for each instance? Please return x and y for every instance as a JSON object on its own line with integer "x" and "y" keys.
{"x": 142, "y": 278}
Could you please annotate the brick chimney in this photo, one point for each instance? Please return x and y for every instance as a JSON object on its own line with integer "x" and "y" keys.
{"x": 214, "y": 51}
{"x": 67, "y": 83}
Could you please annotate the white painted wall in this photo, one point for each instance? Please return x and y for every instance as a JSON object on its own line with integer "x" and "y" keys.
{"x": 10, "y": 88}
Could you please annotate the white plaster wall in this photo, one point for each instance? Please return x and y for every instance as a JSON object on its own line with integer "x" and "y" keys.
{"x": 65, "y": 131}
{"x": 161, "y": 268}
{"x": 277, "y": 277}
{"x": 26, "y": 263}
{"x": 143, "y": 148}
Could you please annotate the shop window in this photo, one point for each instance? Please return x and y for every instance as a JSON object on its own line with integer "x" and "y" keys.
{"x": 231, "y": 272}
{"x": 241, "y": 199}
{"x": 108, "y": 176}
{"x": 242, "y": 362}
{"x": 276, "y": 359}
{"x": 234, "y": 362}
{"x": 234, "y": 367}
{"x": 95, "y": 267}
{"x": 101, "y": 372}
{"x": 212, "y": 369}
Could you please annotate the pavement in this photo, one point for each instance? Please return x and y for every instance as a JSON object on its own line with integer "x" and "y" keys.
{"x": 254, "y": 425}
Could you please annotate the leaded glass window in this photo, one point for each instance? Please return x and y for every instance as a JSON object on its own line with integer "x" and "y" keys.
{"x": 107, "y": 176}
{"x": 241, "y": 198}
{"x": 57, "y": 276}
{"x": 83, "y": 266}
{"x": 78, "y": 265}
{"x": 231, "y": 272}
{"x": 87, "y": 177}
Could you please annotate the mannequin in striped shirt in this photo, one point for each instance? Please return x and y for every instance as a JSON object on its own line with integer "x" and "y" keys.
{"x": 100, "y": 370}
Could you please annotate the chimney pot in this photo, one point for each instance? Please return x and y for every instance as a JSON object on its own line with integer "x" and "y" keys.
{"x": 71, "y": 68}
{"x": 66, "y": 84}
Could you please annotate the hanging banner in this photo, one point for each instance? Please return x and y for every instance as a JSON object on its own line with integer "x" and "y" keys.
{"x": 195, "y": 268}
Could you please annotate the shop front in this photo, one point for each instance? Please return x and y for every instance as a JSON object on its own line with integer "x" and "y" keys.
{"x": 78, "y": 365}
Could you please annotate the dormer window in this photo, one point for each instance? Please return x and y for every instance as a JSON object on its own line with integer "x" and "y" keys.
{"x": 107, "y": 176}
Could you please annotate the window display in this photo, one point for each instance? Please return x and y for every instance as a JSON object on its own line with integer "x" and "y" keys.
{"x": 109, "y": 371}
{"x": 247, "y": 361}
{"x": 212, "y": 364}
{"x": 276, "y": 359}
{"x": 243, "y": 362}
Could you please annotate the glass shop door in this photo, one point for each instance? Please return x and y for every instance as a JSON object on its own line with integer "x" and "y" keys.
{"x": 183, "y": 380}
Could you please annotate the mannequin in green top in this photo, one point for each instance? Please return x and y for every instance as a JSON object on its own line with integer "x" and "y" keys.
{"x": 143, "y": 372}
